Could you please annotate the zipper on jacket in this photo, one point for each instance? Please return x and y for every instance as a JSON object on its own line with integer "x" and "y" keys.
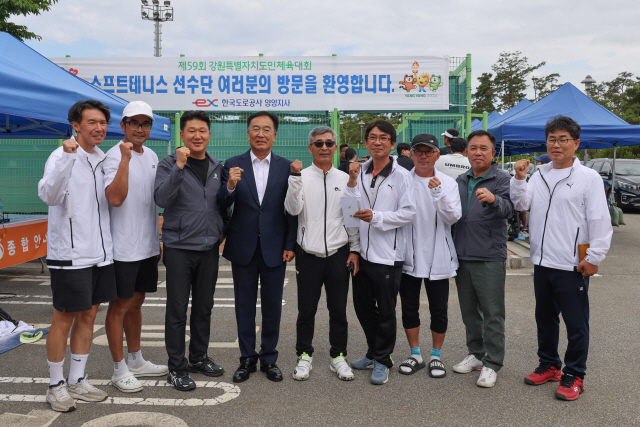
{"x": 395, "y": 238}
{"x": 206, "y": 205}
{"x": 348, "y": 242}
{"x": 374, "y": 203}
{"x": 71, "y": 231}
{"x": 95, "y": 186}
{"x": 326, "y": 250}
{"x": 302, "y": 240}
{"x": 546, "y": 217}
{"x": 575, "y": 244}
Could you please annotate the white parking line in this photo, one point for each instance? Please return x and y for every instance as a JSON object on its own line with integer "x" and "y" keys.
{"x": 230, "y": 392}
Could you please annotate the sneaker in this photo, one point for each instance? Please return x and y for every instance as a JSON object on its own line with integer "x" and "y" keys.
{"x": 59, "y": 399}
{"x": 487, "y": 378}
{"x": 127, "y": 383}
{"x": 83, "y": 390}
{"x": 470, "y": 363}
{"x": 206, "y": 366}
{"x": 570, "y": 387}
{"x": 380, "y": 374}
{"x": 542, "y": 374}
{"x": 181, "y": 380}
{"x": 340, "y": 366}
{"x": 364, "y": 363}
{"x": 149, "y": 370}
{"x": 303, "y": 368}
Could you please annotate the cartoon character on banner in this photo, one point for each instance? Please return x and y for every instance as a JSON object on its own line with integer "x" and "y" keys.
{"x": 408, "y": 83}
{"x": 423, "y": 82}
{"x": 435, "y": 83}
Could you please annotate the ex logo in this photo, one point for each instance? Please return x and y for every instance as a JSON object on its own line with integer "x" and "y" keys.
{"x": 205, "y": 103}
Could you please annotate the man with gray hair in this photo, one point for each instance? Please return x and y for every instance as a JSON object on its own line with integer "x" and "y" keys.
{"x": 325, "y": 252}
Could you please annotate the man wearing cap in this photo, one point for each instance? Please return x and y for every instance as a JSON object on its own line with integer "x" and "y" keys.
{"x": 481, "y": 243}
{"x": 448, "y": 135}
{"x": 430, "y": 256}
{"x": 130, "y": 173}
{"x": 457, "y": 162}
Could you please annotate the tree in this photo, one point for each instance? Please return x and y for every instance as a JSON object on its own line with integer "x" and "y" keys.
{"x": 21, "y": 7}
{"x": 350, "y": 129}
{"x": 618, "y": 95}
{"x": 484, "y": 98}
{"x": 510, "y": 82}
{"x": 543, "y": 86}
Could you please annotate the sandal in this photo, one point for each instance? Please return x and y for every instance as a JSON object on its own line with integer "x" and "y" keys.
{"x": 412, "y": 364}
{"x": 437, "y": 364}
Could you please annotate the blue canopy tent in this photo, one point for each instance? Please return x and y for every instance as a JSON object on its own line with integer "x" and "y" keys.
{"x": 524, "y": 132}
{"x": 477, "y": 123}
{"x": 35, "y": 96}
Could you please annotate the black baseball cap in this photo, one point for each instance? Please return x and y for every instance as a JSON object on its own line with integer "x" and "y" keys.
{"x": 425, "y": 139}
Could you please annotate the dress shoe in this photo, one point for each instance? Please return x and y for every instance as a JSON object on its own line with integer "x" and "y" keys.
{"x": 206, "y": 366}
{"x": 247, "y": 366}
{"x": 273, "y": 372}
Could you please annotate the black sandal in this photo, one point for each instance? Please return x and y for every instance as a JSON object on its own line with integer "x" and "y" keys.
{"x": 412, "y": 364}
{"x": 437, "y": 364}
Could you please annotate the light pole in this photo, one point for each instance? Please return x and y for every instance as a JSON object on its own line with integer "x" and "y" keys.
{"x": 157, "y": 13}
{"x": 361, "y": 123}
{"x": 588, "y": 83}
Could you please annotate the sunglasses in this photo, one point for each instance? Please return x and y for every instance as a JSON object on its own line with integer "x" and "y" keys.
{"x": 319, "y": 144}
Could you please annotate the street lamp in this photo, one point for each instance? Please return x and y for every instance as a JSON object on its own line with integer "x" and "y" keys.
{"x": 157, "y": 13}
{"x": 588, "y": 83}
{"x": 361, "y": 123}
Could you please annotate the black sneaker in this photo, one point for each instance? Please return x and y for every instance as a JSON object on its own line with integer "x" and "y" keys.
{"x": 206, "y": 366}
{"x": 181, "y": 380}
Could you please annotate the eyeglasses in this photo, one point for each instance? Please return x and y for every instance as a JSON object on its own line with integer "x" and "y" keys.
{"x": 562, "y": 141}
{"x": 319, "y": 144}
{"x": 146, "y": 126}
{"x": 257, "y": 130}
{"x": 381, "y": 138}
{"x": 426, "y": 153}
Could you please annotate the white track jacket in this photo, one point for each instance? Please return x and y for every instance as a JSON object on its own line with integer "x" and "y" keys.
{"x": 446, "y": 201}
{"x": 314, "y": 196}
{"x": 571, "y": 213}
{"x": 392, "y": 200}
{"x": 78, "y": 233}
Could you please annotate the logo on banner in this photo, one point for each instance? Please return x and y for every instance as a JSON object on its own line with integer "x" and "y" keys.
{"x": 73, "y": 71}
{"x": 205, "y": 103}
{"x": 420, "y": 81}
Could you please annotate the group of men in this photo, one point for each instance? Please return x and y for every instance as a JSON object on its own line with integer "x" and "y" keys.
{"x": 414, "y": 226}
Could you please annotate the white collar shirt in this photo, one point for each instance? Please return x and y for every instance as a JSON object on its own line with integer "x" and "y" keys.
{"x": 260, "y": 173}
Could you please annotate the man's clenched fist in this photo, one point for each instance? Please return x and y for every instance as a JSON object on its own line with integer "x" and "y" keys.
{"x": 522, "y": 167}
{"x": 296, "y": 166}
{"x": 70, "y": 146}
{"x": 125, "y": 150}
{"x": 182, "y": 154}
{"x": 434, "y": 182}
{"x": 235, "y": 174}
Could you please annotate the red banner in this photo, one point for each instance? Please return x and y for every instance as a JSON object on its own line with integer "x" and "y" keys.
{"x": 23, "y": 241}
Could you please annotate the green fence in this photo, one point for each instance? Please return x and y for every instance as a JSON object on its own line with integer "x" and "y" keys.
{"x": 22, "y": 161}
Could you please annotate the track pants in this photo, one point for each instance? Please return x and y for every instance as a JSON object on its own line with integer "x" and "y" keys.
{"x": 311, "y": 273}
{"x": 375, "y": 293}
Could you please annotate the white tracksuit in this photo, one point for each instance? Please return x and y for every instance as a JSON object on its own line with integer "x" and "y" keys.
{"x": 382, "y": 241}
{"x": 446, "y": 201}
{"x": 78, "y": 231}
{"x": 571, "y": 213}
{"x": 314, "y": 196}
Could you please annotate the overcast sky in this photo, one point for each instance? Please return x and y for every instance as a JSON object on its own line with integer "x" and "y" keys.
{"x": 575, "y": 38}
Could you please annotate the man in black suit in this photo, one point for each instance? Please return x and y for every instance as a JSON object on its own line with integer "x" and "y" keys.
{"x": 260, "y": 241}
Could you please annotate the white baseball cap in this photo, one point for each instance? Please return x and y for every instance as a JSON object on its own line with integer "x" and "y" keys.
{"x": 138, "y": 107}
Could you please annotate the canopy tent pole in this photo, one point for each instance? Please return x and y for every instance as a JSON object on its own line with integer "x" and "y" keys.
{"x": 502, "y": 149}
{"x": 613, "y": 176}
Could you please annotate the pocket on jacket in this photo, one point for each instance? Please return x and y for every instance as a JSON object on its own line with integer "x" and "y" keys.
{"x": 478, "y": 242}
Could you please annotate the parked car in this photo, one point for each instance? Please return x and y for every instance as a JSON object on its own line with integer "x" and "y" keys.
{"x": 627, "y": 186}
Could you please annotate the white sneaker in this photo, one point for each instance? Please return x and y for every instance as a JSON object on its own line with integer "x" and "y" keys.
{"x": 340, "y": 366}
{"x": 127, "y": 383}
{"x": 303, "y": 368}
{"x": 59, "y": 399}
{"x": 83, "y": 390}
{"x": 470, "y": 363}
{"x": 150, "y": 370}
{"x": 487, "y": 378}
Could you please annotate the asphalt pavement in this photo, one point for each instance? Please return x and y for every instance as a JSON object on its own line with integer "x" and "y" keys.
{"x": 611, "y": 396}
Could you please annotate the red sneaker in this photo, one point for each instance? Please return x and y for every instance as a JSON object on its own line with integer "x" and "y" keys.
{"x": 542, "y": 374}
{"x": 570, "y": 387}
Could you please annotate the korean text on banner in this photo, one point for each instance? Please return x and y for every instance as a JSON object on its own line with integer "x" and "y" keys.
{"x": 22, "y": 242}
{"x": 273, "y": 83}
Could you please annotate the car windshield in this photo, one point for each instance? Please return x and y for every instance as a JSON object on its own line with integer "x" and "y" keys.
{"x": 630, "y": 168}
